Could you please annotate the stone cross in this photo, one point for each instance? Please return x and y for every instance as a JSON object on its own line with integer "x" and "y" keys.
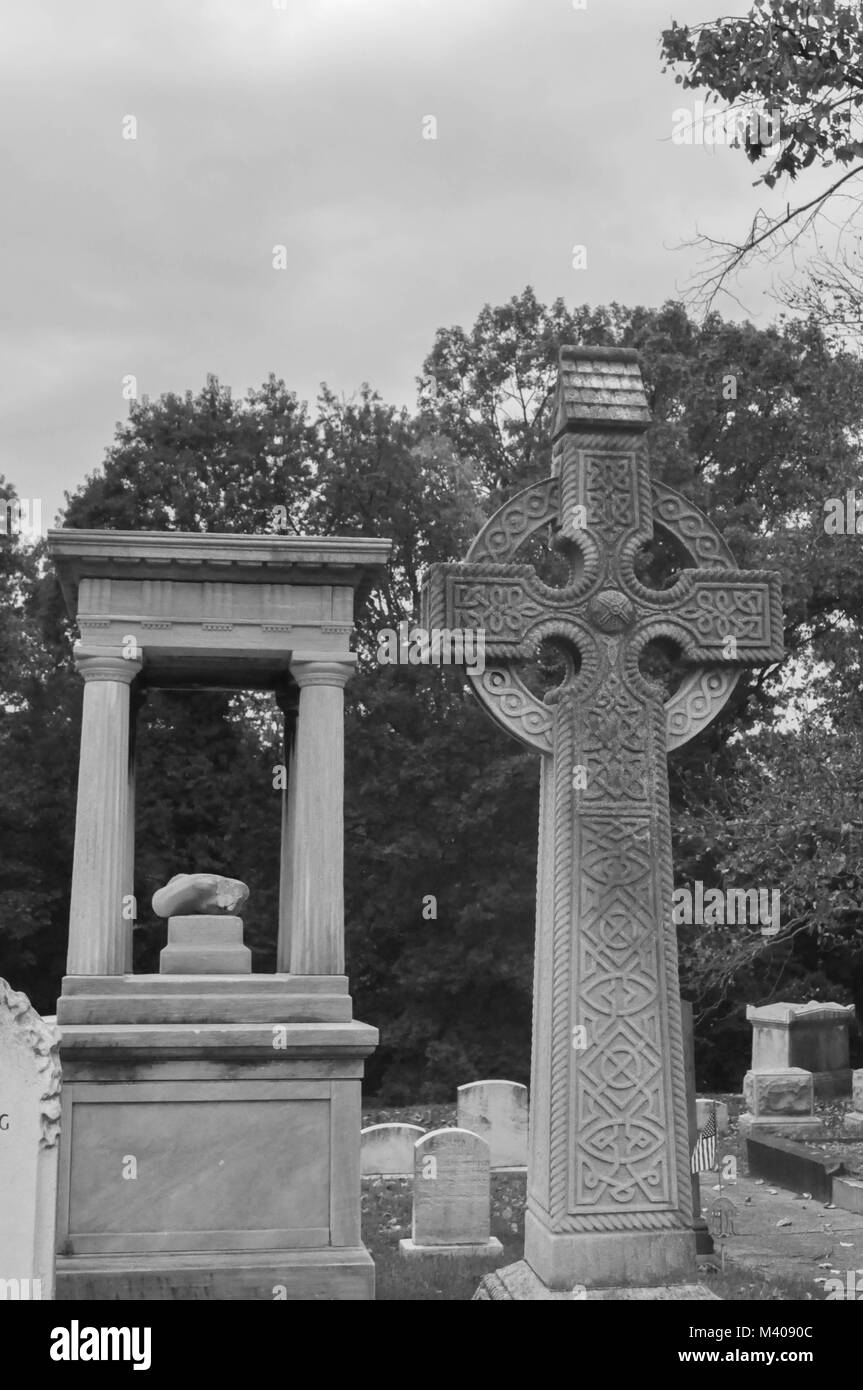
{"x": 609, "y": 1194}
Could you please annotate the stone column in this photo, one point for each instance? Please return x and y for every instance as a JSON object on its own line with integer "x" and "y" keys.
{"x": 289, "y": 703}
{"x": 135, "y": 703}
{"x": 317, "y": 846}
{"x": 97, "y": 928}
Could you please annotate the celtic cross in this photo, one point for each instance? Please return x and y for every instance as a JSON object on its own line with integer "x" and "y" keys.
{"x": 609, "y": 1191}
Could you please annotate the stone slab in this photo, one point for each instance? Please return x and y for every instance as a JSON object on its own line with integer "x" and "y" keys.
{"x": 304, "y": 1276}
{"x": 488, "y": 1249}
{"x": 857, "y": 1089}
{"x": 105, "y": 985}
{"x": 789, "y": 1127}
{"x": 498, "y": 1112}
{"x": 518, "y": 1282}
{"x": 852, "y": 1125}
{"x": 848, "y": 1194}
{"x": 791, "y": 1165}
{"x": 191, "y": 1007}
{"x": 388, "y": 1150}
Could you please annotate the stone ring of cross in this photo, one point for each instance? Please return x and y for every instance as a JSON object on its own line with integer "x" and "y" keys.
{"x": 602, "y": 507}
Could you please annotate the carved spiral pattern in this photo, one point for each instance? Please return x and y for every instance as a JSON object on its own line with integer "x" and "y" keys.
{"x": 697, "y": 703}
{"x": 513, "y": 706}
{"x": 516, "y": 521}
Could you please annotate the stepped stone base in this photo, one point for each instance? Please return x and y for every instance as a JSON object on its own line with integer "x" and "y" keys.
{"x": 270, "y": 1277}
{"x": 205, "y": 944}
{"x": 210, "y": 1139}
{"x": 519, "y": 1283}
{"x": 484, "y": 1249}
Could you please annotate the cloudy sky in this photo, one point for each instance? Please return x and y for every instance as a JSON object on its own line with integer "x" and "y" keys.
{"x": 258, "y": 126}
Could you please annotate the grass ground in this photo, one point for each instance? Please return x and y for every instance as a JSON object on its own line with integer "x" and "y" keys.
{"x": 386, "y": 1207}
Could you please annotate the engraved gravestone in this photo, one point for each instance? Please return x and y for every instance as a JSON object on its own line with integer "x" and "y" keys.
{"x": 451, "y": 1197}
{"x": 497, "y": 1112}
{"x": 29, "y": 1130}
{"x": 609, "y": 1199}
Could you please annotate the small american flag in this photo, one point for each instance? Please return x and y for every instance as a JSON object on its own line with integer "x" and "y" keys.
{"x": 704, "y": 1153}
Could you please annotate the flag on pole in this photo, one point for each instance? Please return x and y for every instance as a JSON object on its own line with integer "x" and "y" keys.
{"x": 704, "y": 1153}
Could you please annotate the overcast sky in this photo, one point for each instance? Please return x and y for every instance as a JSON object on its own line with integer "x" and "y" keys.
{"x": 259, "y": 126}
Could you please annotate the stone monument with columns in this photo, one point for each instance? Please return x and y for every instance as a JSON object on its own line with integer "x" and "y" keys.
{"x": 609, "y": 1191}
{"x": 211, "y": 1127}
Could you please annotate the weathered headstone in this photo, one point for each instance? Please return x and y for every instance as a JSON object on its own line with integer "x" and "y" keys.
{"x": 29, "y": 1130}
{"x": 704, "y": 1106}
{"x": 609, "y": 1192}
{"x": 497, "y": 1111}
{"x": 452, "y": 1196}
{"x": 388, "y": 1150}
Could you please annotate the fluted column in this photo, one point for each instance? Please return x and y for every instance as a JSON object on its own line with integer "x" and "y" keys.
{"x": 289, "y": 703}
{"x": 136, "y": 700}
{"x": 317, "y": 897}
{"x": 97, "y": 929}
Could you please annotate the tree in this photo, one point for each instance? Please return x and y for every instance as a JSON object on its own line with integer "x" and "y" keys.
{"x": 758, "y": 427}
{"x": 798, "y": 66}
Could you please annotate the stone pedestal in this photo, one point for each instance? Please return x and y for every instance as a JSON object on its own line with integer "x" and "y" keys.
{"x": 780, "y": 1101}
{"x": 205, "y": 944}
{"x": 216, "y": 1125}
{"x": 813, "y": 1036}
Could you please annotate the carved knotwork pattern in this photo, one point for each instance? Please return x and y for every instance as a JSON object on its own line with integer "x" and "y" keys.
{"x": 611, "y": 495}
{"x": 622, "y": 1159}
{"x": 714, "y": 612}
{"x": 516, "y": 521}
{"x": 615, "y": 1117}
{"x": 613, "y": 746}
{"x": 501, "y": 610}
{"x": 513, "y": 706}
{"x": 698, "y": 535}
{"x": 697, "y": 703}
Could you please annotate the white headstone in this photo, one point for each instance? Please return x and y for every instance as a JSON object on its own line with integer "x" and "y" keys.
{"x": 452, "y": 1196}
{"x": 388, "y": 1150}
{"x": 29, "y": 1130}
{"x": 498, "y": 1112}
{"x": 703, "y": 1107}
